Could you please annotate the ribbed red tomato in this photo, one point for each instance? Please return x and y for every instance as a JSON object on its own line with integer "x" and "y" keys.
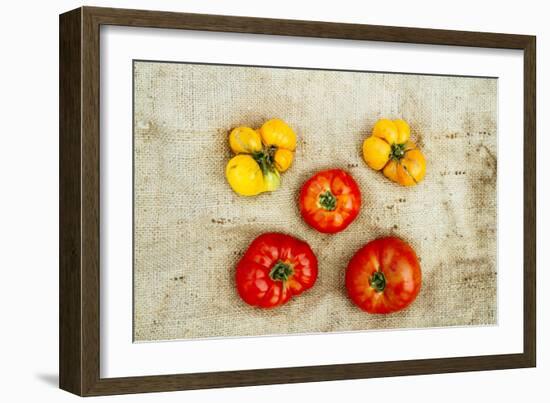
{"x": 330, "y": 201}
{"x": 384, "y": 276}
{"x": 275, "y": 268}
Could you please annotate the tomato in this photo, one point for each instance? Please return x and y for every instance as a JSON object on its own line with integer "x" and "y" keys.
{"x": 261, "y": 155}
{"x": 275, "y": 268}
{"x": 389, "y": 149}
{"x": 384, "y": 276}
{"x": 330, "y": 201}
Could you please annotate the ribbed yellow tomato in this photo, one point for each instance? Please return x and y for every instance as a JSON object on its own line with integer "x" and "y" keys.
{"x": 389, "y": 150}
{"x": 264, "y": 153}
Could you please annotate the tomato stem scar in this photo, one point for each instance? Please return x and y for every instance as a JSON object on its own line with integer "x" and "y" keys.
{"x": 397, "y": 151}
{"x": 378, "y": 281}
{"x": 281, "y": 271}
{"x": 327, "y": 201}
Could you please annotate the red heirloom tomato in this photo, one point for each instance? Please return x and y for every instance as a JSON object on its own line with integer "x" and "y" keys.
{"x": 274, "y": 268}
{"x": 383, "y": 276}
{"x": 330, "y": 201}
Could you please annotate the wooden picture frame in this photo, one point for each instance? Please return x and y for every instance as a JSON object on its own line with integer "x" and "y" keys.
{"x": 79, "y": 348}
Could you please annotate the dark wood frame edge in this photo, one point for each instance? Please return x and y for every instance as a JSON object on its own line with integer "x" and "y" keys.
{"x": 79, "y": 201}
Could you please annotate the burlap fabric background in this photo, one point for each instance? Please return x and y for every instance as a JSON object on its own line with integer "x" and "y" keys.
{"x": 190, "y": 228}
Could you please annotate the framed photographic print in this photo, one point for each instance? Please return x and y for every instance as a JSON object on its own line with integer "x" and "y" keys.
{"x": 249, "y": 201}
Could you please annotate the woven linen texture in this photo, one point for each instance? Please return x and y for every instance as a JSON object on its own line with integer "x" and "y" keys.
{"x": 190, "y": 229}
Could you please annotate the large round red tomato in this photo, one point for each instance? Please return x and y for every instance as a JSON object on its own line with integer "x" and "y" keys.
{"x": 384, "y": 276}
{"x": 274, "y": 268}
{"x": 330, "y": 201}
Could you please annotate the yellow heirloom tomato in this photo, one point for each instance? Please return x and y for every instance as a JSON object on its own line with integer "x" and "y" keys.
{"x": 261, "y": 155}
{"x": 389, "y": 150}
{"x": 245, "y": 175}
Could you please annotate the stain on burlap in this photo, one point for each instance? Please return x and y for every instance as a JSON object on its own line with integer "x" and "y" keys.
{"x": 190, "y": 228}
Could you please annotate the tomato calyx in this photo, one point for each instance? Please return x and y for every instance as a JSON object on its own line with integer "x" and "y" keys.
{"x": 398, "y": 151}
{"x": 265, "y": 158}
{"x": 378, "y": 281}
{"x": 327, "y": 200}
{"x": 281, "y": 271}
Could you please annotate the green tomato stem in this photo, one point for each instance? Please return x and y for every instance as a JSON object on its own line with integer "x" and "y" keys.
{"x": 265, "y": 160}
{"x": 327, "y": 201}
{"x": 281, "y": 271}
{"x": 378, "y": 281}
{"x": 397, "y": 151}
